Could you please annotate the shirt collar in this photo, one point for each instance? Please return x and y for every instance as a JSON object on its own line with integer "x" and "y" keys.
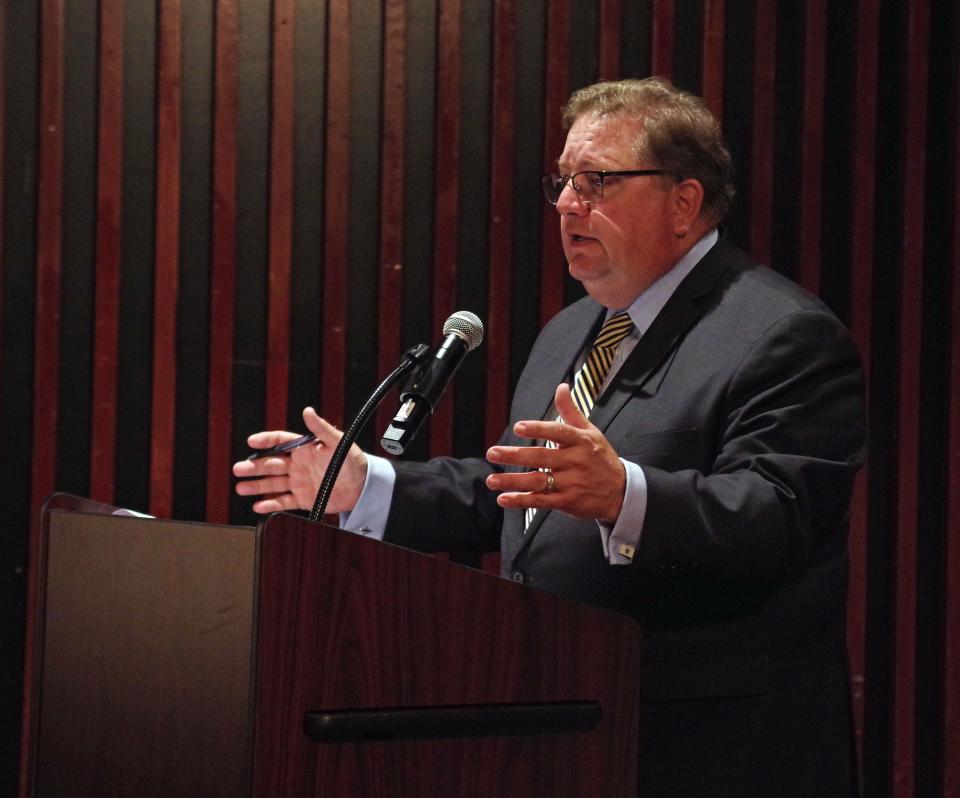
{"x": 646, "y": 307}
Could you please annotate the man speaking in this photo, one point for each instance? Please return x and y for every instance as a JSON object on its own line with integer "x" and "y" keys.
{"x": 682, "y": 448}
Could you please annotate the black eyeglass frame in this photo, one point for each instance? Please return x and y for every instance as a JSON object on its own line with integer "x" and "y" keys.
{"x": 551, "y": 181}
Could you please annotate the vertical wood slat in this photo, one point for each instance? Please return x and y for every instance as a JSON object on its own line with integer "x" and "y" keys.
{"x": 280, "y": 214}
{"x": 552, "y": 260}
{"x": 392, "y": 158}
{"x": 862, "y": 225}
{"x": 664, "y": 38}
{"x": 811, "y": 145}
{"x": 103, "y": 432}
{"x": 501, "y": 225}
{"x": 46, "y": 324}
{"x": 447, "y": 186}
{"x": 222, "y": 256}
{"x": 48, "y": 276}
{"x": 609, "y": 49}
{"x": 166, "y": 277}
{"x": 714, "y": 32}
{"x": 336, "y": 213}
{"x": 908, "y": 396}
{"x": 951, "y": 677}
{"x": 3, "y": 127}
{"x": 762, "y": 131}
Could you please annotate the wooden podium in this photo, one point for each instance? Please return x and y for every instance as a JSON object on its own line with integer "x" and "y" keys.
{"x": 184, "y": 659}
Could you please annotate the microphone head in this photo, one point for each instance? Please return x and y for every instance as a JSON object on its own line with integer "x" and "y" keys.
{"x": 467, "y": 326}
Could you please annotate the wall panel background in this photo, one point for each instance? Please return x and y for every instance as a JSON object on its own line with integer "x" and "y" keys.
{"x": 215, "y": 213}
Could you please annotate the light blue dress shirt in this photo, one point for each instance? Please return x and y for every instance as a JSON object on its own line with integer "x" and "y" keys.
{"x": 369, "y": 516}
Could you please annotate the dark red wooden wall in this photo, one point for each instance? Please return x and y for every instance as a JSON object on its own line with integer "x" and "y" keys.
{"x": 214, "y": 213}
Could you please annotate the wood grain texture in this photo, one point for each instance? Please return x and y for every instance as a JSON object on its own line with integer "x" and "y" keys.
{"x": 166, "y": 257}
{"x": 336, "y": 214}
{"x": 50, "y": 136}
{"x": 501, "y": 222}
{"x": 447, "y": 199}
{"x": 390, "y": 303}
{"x": 714, "y": 32}
{"x": 281, "y": 214}
{"x": 664, "y": 38}
{"x": 106, "y": 343}
{"x": 557, "y": 90}
{"x": 223, "y": 250}
{"x": 908, "y": 399}
{"x": 403, "y": 629}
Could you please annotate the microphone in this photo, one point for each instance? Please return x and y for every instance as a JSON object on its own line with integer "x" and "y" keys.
{"x": 463, "y": 333}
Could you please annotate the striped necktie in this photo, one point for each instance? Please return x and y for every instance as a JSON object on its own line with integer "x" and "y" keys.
{"x": 589, "y": 378}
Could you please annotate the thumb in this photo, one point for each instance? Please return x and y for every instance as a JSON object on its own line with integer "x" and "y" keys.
{"x": 326, "y": 433}
{"x": 568, "y": 409}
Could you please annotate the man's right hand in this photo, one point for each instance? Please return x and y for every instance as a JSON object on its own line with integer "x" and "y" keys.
{"x": 291, "y": 481}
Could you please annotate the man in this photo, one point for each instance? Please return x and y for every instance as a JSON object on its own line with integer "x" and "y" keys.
{"x": 693, "y": 468}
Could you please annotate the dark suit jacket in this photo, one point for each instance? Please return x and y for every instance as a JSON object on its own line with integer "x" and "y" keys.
{"x": 743, "y": 403}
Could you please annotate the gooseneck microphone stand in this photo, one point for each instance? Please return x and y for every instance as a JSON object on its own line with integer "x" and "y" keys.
{"x": 412, "y": 358}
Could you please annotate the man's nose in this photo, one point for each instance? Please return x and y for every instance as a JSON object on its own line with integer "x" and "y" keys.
{"x": 569, "y": 201}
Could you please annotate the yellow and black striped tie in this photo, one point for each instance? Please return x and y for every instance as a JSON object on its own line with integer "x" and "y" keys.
{"x": 589, "y": 378}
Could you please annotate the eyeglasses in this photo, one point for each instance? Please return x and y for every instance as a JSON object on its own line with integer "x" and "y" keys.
{"x": 588, "y": 185}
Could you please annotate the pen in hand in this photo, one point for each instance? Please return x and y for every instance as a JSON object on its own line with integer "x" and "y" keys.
{"x": 283, "y": 448}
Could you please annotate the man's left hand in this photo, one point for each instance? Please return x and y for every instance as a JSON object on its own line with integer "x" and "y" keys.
{"x": 585, "y": 479}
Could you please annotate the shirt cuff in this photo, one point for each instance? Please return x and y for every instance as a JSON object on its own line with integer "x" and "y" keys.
{"x": 369, "y": 515}
{"x": 620, "y": 540}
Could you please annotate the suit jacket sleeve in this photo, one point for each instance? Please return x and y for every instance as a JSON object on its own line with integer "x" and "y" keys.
{"x": 445, "y": 506}
{"x": 787, "y": 447}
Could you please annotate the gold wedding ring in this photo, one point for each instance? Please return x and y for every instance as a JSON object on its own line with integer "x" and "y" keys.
{"x": 551, "y": 483}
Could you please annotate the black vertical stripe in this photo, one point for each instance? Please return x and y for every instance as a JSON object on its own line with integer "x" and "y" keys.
{"x": 79, "y": 225}
{"x": 688, "y": 30}
{"x": 877, "y": 743}
{"x": 366, "y": 67}
{"x": 787, "y": 142}
{"x": 476, "y": 48}
{"x": 738, "y": 110}
{"x": 583, "y": 45}
{"x": 253, "y": 92}
{"x": 418, "y": 200}
{"x": 137, "y": 256}
{"x": 527, "y": 196}
{"x": 838, "y": 162}
{"x": 635, "y": 40}
{"x": 306, "y": 308}
{"x": 19, "y": 173}
{"x": 193, "y": 307}
{"x": 935, "y": 397}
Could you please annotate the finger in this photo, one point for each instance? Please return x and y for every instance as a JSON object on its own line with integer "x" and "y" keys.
{"x": 275, "y": 504}
{"x": 529, "y": 456}
{"x": 524, "y": 481}
{"x": 517, "y": 500}
{"x": 567, "y": 408}
{"x": 560, "y": 434}
{"x": 264, "y": 440}
{"x": 263, "y": 487}
{"x": 267, "y": 466}
{"x": 326, "y": 433}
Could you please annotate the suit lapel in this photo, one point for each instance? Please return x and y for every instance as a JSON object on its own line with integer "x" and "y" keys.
{"x": 681, "y": 312}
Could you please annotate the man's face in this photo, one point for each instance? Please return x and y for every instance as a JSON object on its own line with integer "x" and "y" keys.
{"x": 623, "y": 243}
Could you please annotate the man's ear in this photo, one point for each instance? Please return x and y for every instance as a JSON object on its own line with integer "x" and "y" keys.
{"x": 688, "y": 202}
